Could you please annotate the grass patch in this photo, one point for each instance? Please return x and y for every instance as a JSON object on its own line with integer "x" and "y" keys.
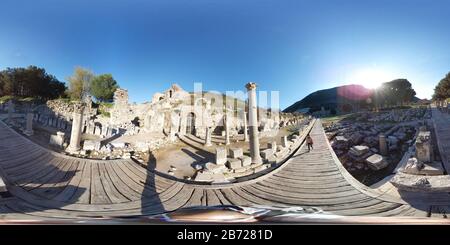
{"x": 335, "y": 119}
{"x": 6, "y": 98}
{"x": 104, "y": 107}
{"x": 106, "y": 104}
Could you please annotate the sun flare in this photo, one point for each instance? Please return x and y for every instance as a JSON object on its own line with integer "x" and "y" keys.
{"x": 371, "y": 77}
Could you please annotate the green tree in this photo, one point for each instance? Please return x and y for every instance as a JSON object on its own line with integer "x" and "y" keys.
{"x": 442, "y": 89}
{"x": 80, "y": 83}
{"x": 30, "y": 82}
{"x": 393, "y": 93}
{"x": 103, "y": 87}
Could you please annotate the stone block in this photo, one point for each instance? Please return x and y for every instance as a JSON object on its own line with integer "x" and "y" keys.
{"x": 356, "y": 138}
{"x": 221, "y": 155}
{"x": 236, "y": 152}
{"x": 245, "y": 161}
{"x": 266, "y": 154}
{"x": 376, "y": 162}
{"x": 57, "y": 140}
{"x": 233, "y": 163}
{"x": 91, "y": 145}
{"x": 215, "y": 168}
{"x": 359, "y": 150}
{"x": 118, "y": 144}
{"x": 204, "y": 176}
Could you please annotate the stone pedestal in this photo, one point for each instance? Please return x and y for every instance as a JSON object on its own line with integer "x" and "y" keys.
{"x": 77, "y": 124}
{"x": 253, "y": 124}
{"x": 29, "y": 128}
{"x": 383, "y": 144}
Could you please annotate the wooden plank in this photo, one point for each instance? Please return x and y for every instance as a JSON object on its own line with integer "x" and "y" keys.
{"x": 98, "y": 194}
{"x": 211, "y": 198}
{"x": 46, "y": 176}
{"x": 72, "y": 187}
{"x": 114, "y": 195}
{"x": 83, "y": 192}
{"x": 120, "y": 185}
{"x": 222, "y": 198}
{"x": 24, "y": 176}
{"x": 136, "y": 186}
{"x": 196, "y": 198}
{"x": 58, "y": 182}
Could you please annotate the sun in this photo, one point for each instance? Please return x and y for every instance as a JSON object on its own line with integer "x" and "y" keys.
{"x": 371, "y": 77}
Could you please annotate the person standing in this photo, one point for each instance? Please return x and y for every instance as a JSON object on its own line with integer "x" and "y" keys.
{"x": 309, "y": 142}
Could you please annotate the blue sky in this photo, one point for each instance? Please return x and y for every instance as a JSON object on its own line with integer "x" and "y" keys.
{"x": 295, "y": 47}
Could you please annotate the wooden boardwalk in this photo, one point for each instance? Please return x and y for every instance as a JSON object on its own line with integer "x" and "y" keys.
{"x": 46, "y": 185}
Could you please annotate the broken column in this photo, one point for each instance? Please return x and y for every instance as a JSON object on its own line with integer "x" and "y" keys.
{"x": 284, "y": 141}
{"x": 383, "y": 145}
{"x": 208, "y": 137}
{"x": 253, "y": 123}
{"x": 221, "y": 155}
{"x": 77, "y": 124}
{"x": 423, "y": 147}
{"x": 29, "y": 127}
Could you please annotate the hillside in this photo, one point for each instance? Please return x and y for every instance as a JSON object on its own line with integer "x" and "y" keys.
{"x": 348, "y": 98}
{"x": 333, "y": 98}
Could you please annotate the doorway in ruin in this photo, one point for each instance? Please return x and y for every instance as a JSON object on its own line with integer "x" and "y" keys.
{"x": 190, "y": 124}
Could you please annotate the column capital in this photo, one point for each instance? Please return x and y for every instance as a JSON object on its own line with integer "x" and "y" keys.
{"x": 251, "y": 86}
{"x": 78, "y": 107}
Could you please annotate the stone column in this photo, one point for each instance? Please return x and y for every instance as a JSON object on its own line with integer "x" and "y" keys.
{"x": 29, "y": 128}
{"x": 383, "y": 145}
{"x": 10, "y": 110}
{"x": 253, "y": 123}
{"x": 208, "y": 137}
{"x": 77, "y": 123}
{"x": 245, "y": 126}
{"x": 227, "y": 130}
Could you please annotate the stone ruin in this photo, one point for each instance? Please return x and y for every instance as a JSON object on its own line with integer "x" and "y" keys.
{"x": 423, "y": 162}
{"x": 79, "y": 129}
{"x": 421, "y": 171}
{"x": 233, "y": 164}
{"x": 372, "y": 141}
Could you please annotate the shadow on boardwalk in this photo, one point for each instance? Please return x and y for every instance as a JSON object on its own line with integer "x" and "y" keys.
{"x": 150, "y": 200}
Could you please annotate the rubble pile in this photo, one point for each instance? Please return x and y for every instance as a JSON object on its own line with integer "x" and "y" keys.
{"x": 357, "y": 142}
